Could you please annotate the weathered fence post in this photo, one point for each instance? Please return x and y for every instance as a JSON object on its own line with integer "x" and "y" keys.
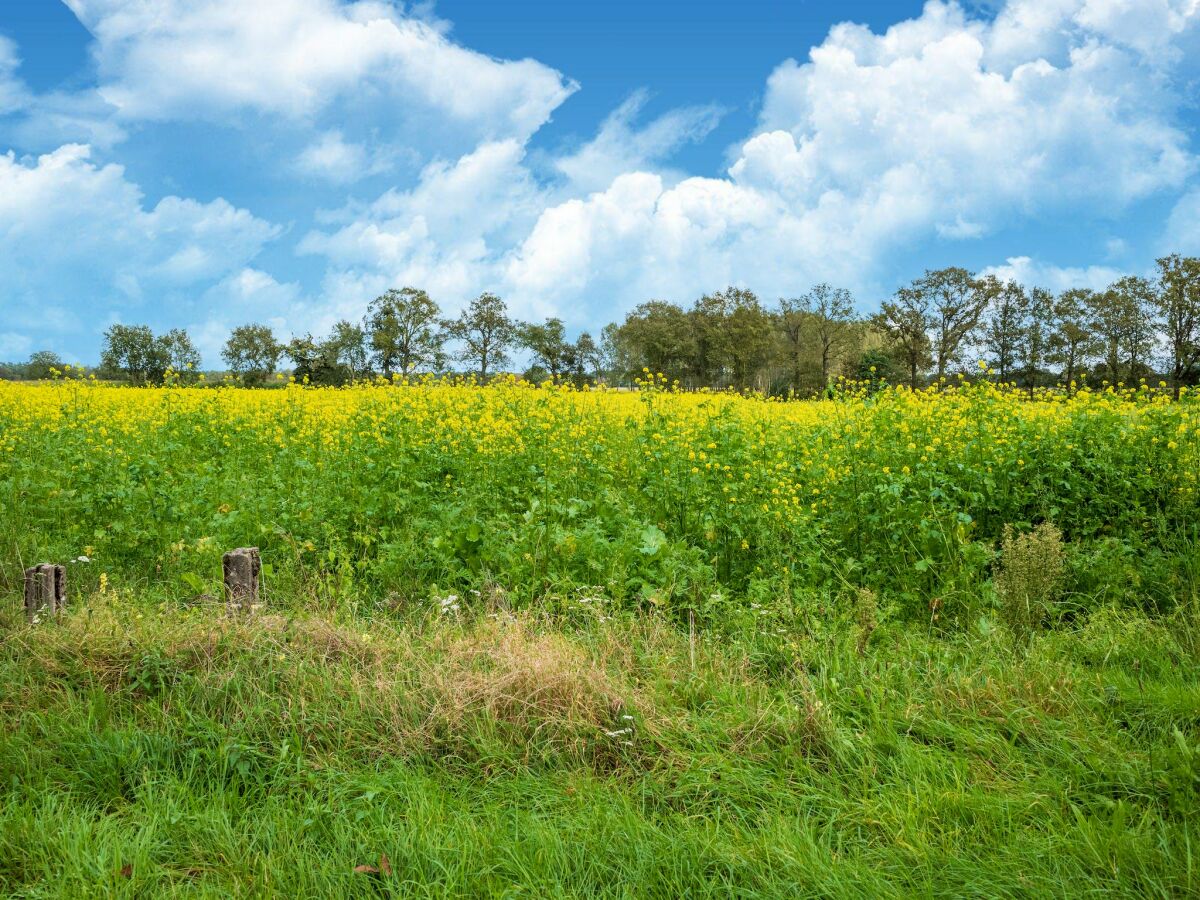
{"x": 242, "y": 568}
{"x": 45, "y": 590}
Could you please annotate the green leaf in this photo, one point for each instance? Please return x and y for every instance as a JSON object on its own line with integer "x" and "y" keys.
{"x": 652, "y": 540}
{"x": 193, "y": 581}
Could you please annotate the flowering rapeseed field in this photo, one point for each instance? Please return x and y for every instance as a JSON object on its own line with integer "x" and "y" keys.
{"x": 679, "y": 500}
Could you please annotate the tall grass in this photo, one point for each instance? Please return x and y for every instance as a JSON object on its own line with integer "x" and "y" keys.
{"x": 146, "y": 750}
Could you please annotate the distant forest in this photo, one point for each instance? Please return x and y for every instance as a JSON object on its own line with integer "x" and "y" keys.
{"x": 941, "y": 325}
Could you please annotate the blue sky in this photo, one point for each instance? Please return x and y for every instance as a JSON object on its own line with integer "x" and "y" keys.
{"x": 204, "y": 163}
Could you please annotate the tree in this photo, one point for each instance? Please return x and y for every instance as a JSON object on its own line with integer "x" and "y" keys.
{"x": 906, "y": 321}
{"x": 252, "y": 353}
{"x": 1121, "y": 320}
{"x": 339, "y": 359}
{"x": 614, "y": 358}
{"x": 710, "y": 340}
{"x": 133, "y": 350}
{"x": 548, "y": 344}
{"x": 312, "y": 361}
{"x": 1037, "y": 327}
{"x": 43, "y": 364}
{"x": 875, "y": 368}
{"x": 1004, "y": 328}
{"x": 832, "y": 312}
{"x": 347, "y": 346}
{"x": 1177, "y": 302}
{"x": 486, "y": 333}
{"x": 587, "y": 358}
{"x": 1138, "y": 299}
{"x": 181, "y": 354}
{"x": 405, "y": 331}
{"x": 1072, "y": 340}
{"x": 793, "y": 320}
{"x": 731, "y": 334}
{"x": 957, "y": 301}
{"x": 748, "y": 336}
{"x": 656, "y": 335}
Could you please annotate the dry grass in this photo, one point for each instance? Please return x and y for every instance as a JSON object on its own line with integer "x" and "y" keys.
{"x": 537, "y": 688}
{"x": 608, "y": 696}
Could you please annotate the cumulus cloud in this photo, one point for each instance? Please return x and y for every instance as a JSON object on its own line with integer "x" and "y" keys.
{"x": 296, "y": 58}
{"x": 75, "y": 235}
{"x": 981, "y": 143}
{"x": 445, "y": 234}
{"x": 642, "y": 238}
{"x": 941, "y": 129}
{"x": 880, "y": 141}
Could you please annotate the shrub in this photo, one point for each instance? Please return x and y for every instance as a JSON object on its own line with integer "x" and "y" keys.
{"x": 1029, "y": 577}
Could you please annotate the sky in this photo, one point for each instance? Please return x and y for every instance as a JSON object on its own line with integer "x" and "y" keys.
{"x": 208, "y": 163}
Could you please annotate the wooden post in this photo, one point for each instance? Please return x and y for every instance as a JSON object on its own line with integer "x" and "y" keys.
{"x": 45, "y": 590}
{"x": 242, "y": 568}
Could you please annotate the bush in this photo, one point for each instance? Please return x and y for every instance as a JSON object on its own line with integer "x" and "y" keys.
{"x": 1029, "y": 578}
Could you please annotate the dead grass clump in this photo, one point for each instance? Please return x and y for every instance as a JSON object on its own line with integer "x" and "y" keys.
{"x": 505, "y": 679}
{"x": 803, "y": 724}
{"x": 317, "y": 639}
{"x": 1029, "y": 694}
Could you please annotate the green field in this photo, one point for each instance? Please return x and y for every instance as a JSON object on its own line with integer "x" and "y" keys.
{"x": 522, "y": 642}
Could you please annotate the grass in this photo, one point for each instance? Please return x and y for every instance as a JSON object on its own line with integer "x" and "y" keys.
{"x": 942, "y": 643}
{"x": 148, "y": 748}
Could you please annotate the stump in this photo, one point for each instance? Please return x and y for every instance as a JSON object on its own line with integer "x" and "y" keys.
{"x": 242, "y": 568}
{"x": 45, "y": 590}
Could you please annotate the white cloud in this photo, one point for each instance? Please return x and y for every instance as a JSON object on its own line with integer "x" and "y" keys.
{"x": 1149, "y": 26}
{"x": 620, "y": 146}
{"x": 445, "y": 234}
{"x": 943, "y": 128}
{"x": 13, "y": 94}
{"x": 14, "y": 346}
{"x": 1156, "y": 30}
{"x": 54, "y": 118}
{"x": 1182, "y": 234}
{"x": 48, "y": 121}
{"x": 885, "y": 141}
{"x": 1036, "y": 273}
{"x": 76, "y": 234}
{"x": 983, "y": 143}
{"x": 331, "y": 158}
{"x": 175, "y": 59}
{"x": 251, "y": 288}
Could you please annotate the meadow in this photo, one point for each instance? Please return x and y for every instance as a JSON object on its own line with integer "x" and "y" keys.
{"x": 523, "y": 639}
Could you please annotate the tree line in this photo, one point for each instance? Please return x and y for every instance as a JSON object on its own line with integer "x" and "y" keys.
{"x": 933, "y": 328}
